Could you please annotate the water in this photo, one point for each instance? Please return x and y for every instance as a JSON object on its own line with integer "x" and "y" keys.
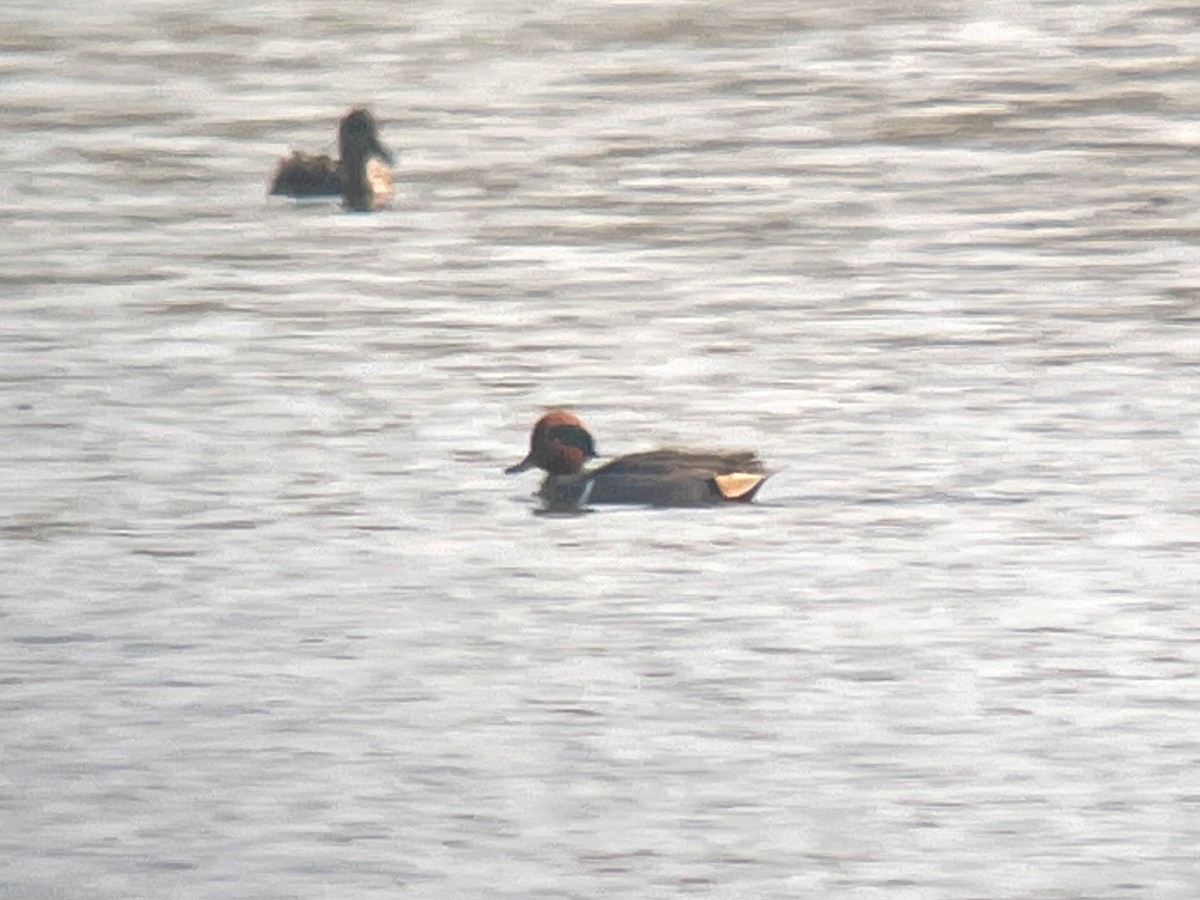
{"x": 274, "y": 624}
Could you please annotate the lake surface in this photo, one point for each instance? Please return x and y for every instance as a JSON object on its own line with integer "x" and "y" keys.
{"x": 273, "y": 624}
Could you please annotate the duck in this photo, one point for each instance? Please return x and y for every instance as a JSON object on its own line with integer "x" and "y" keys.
{"x": 561, "y": 446}
{"x": 362, "y": 176}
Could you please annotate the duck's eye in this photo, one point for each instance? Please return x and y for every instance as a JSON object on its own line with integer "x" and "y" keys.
{"x": 574, "y": 436}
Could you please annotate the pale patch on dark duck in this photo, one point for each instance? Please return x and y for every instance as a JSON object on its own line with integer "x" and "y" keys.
{"x": 361, "y": 175}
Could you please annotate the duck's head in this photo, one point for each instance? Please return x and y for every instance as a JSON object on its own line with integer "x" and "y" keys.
{"x": 559, "y": 445}
{"x": 358, "y": 137}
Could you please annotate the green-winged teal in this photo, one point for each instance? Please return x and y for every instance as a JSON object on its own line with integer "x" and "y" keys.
{"x": 361, "y": 176}
{"x": 560, "y": 446}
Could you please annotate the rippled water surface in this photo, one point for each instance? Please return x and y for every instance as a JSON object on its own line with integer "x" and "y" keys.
{"x": 274, "y": 624}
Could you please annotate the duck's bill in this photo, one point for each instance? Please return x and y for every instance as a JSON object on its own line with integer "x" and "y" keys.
{"x": 524, "y": 464}
{"x": 383, "y": 153}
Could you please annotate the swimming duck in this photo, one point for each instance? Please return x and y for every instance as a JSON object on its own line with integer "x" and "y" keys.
{"x": 560, "y": 446}
{"x": 361, "y": 176}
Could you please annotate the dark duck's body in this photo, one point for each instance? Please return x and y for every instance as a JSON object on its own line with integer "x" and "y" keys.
{"x": 361, "y": 176}
{"x": 561, "y": 446}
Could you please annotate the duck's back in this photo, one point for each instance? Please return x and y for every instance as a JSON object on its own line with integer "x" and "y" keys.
{"x": 306, "y": 175}
{"x": 680, "y": 462}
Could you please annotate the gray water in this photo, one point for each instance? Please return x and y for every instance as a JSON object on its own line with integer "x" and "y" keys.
{"x": 274, "y": 624}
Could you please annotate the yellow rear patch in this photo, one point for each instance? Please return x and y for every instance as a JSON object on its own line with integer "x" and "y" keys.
{"x": 737, "y": 485}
